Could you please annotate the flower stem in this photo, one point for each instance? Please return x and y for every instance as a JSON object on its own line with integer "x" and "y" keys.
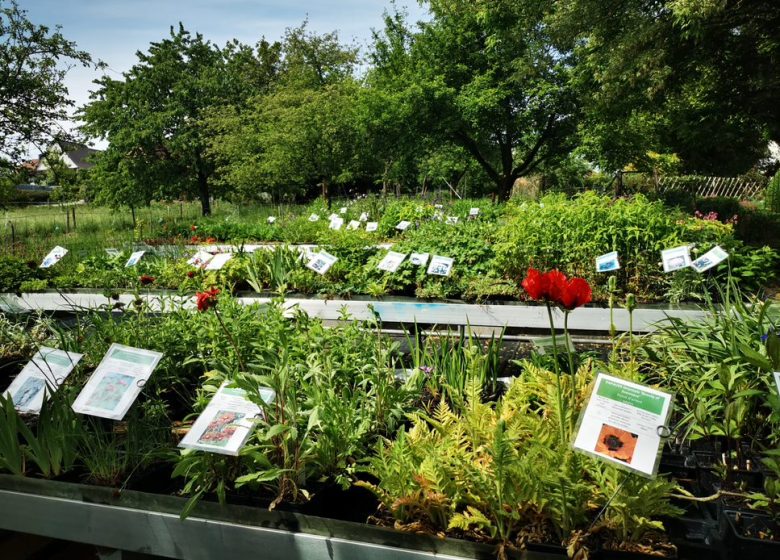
{"x": 557, "y": 366}
{"x": 231, "y": 340}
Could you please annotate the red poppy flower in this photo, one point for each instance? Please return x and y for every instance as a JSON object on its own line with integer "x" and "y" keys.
{"x": 145, "y": 279}
{"x": 536, "y": 284}
{"x": 194, "y": 239}
{"x": 191, "y": 274}
{"x": 556, "y": 285}
{"x": 207, "y": 299}
{"x": 576, "y": 293}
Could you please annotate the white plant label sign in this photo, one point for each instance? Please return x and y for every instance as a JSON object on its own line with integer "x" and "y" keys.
{"x": 226, "y": 423}
{"x": 200, "y": 259}
{"x": 711, "y": 258}
{"x": 608, "y": 262}
{"x": 353, "y": 224}
{"x": 40, "y": 377}
{"x": 54, "y": 256}
{"x": 372, "y": 226}
{"x": 336, "y": 223}
{"x": 676, "y": 259}
{"x": 218, "y": 261}
{"x": 333, "y": 216}
{"x": 321, "y": 262}
{"x": 403, "y": 225}
{"x": 134, "y": 258}
{"x": 271, "y": 219}
{"x": 419, "y": 259}
{"x": 391, "y": 262}
{"x": 474, "y": 212}
{"x": 363, "y": 217}
{"x": 451, "y": 220}
{"x": 314, "y": 218}
{"x": 117, "y": 382}
{"x": 343, "y": 210}
{"x": 622, "y": 424}
{"x": 440, "y": 266}
{"x": 113, "y": 252}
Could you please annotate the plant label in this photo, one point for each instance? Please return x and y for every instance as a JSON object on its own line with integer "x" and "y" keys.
{"x": 440, "y": 266}
{"x": 134, "y": 258}
{"x": 226, "y": 423}
{"x": 333, "y": 216}
{"x": 544, "y": 344}
{"x": 113, "y": 252}
{"x": 711, "y": 258}
{"x": 117, "y": 382}
{"x": 403, "y": 225}
{"x": 54, "y": 256}
{"x": 271, "y": 219}
{"x": 200, "y": 259}
{"x": 314, "y": 218}
{"x": 321, "y": 262}
{"x": 451, "y": 220}
{"x": 363, "y": 217}
{"x": 608, "y": 262}
{"x": 474, "y": 212}
{"x": 40, "y": 377}
{"x": 622, "y": 422}
{"x": 353, "y": 224}
{"x": 391, "y": 262}
{"x": 343, "y": 210}
{"x": 419, "y": 259}
{"x": 372, "y": 226}
{"x": 676, "y": 259}
{"x": 336, "y": 223}
{"x": 438, "y": 206}
{"x": 777, "y": 381}
{"x": 218, "y": 261}
{"x": 438, "y": 215}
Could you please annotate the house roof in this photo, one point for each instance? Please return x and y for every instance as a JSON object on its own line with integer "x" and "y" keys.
{"x": 75, "y": 155}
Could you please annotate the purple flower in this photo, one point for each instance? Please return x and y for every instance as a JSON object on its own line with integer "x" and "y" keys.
{"x": 427, "y": 370}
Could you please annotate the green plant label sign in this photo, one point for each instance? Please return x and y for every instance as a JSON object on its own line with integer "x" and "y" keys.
{"x": 622, "y": 424}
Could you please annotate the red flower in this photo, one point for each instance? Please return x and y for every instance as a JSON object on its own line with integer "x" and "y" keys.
{"x": 194, "y": 239}
{"x": 207, "y": 299}
{"x": 145, "y": 279}
{"x": 191, "y": 274}
{"x": 536, "y": 284}
{"x": 556, "y": 285}
{"x": 211, "y": 240}
{"x": 193, "y": 228}
{"x": 575, "y": 294}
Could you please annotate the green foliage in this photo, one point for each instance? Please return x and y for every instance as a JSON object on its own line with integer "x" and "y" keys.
{"x": 772, "y": 194}
{"x": 14, "y": 272}
{"x": 11, "y": 452}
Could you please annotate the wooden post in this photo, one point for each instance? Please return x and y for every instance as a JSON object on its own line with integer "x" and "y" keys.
{"x": 73, "y": 208}
{"x": 67, "y": 221}
{"x": 13, "y": 239}
{"x": 132, "y": 212}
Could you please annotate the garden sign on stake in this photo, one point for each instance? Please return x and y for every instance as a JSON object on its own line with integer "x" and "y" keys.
{"x": 42, "y": 375}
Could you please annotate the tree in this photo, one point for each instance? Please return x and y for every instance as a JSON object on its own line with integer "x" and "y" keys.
{"x": 33, "y": 98}
{"x": 153, "y": 119}
{"x": 487, "y": 76}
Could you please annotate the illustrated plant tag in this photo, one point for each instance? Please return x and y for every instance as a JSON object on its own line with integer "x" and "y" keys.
{"x": 218, "y": 261}
{"x": 676, "y": 259}
{"x": 134, "y": 258}
{"x": 54, "y": 256}
{"x": 333, "y": 216}
{"x": 391, "y": 262}
{"x": 40, "y": 377}
{"x": 451, "y": 220}
{"x": 419, "y": 259}
{"x": 440, "y": 266}
{"x": 363, "y": 217}
{"x": 372, "y": 226}
{"x": 113, "y": 252}
{"x": 622, "y": 424}
{"x": 271, "y": 219}
{"x": 438, "y": 206}
{"x": 438, "y": 215}
{"x": 200, "y": 259}
{"x": 403, "y": 225}
{"x": 117, "y": 382}
{"x": 353, "y": 224}
{"x": 226, "y": 423}
{"x": 711, "y": 258}
{"x": 343, "y": 210}
{"x": 474, "y": 212}
{"x": 608, "y": 262}
{"x": 777, "y": 381}
{"x": 336, "y": 223}
{"x": 321, "y": 262}
{"x": 314, "y": 218}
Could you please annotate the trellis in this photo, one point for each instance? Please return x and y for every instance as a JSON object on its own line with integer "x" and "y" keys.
{"x": 732, "y": 187}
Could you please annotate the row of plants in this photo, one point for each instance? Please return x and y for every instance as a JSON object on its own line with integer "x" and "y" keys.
{"x": 421, "y": 424}
{"x": 490, "y": 254}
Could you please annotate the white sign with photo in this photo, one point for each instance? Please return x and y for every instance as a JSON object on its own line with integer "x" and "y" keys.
{"x": 622, "y": 424}
{"x": 218, "y": 261}
{"x": 117, "y": 382}
{"x": 363, "y": 217}
{"x": 134, "y": 258}
{"x": 372, "y": 226}
{"x": 336, "y": 223}
{"x": 474, "y": 212}
{"x": 113, "y": 252}
{"x": 353, "y": 224}
{"x": 777, "y": 381}
{"x": 321, "y": 262}
{"x": 333, "y": 216}
{"x": 419, "y": 259}
{"x": 711, "y": 258}
{"x": 54, "y": 256}
{"x": 391, "y": 262}
{"x": 451, "y": 220}
{"x": 676, "y": 259}
{"x": 608, "y": 262}
{"x": 440, "y": 266}
{"x": 271, "y": 219}
{"x": 343, "y": 210}
{"x": 40, "y": 377}
{"x": 200, "y": 259}
{"x": 314, "y": 218}
{"x": 403, "y": 225}
{"x": 226, "y": 423}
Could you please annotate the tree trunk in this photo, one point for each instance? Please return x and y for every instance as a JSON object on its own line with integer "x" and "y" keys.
{"x": 203, "y": 194}
{"x": 505, "y": 186}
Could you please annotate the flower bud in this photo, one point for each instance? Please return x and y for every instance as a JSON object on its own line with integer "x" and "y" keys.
{"x": 630, "y": 302}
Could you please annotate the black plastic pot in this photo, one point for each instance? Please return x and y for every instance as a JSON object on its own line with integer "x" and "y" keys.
{"x": 741, "y": 532}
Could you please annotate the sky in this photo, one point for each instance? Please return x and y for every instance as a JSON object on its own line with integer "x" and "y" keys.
{"x": 113, "y": 30}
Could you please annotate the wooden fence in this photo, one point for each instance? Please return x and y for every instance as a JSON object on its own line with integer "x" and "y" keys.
{"x": 733, "y": 187}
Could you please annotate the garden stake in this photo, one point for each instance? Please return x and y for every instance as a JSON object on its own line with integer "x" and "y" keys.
{"x": 603, "y": 509}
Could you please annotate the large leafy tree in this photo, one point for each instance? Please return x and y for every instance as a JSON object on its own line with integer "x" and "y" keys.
{"x": 486, "y": 76}
{"x": 33, "y": 98}
{"x": 153, "y": 118}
